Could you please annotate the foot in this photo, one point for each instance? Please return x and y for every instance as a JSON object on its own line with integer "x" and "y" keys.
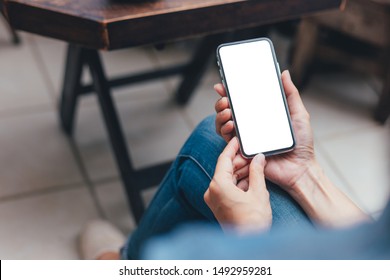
{"x": 99, "y": 239}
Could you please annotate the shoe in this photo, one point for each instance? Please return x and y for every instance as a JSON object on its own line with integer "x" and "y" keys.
{"x": 99, "y": 237}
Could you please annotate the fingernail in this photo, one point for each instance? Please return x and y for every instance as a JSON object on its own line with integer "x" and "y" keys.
{"x": 288, "y": 74}
{"x": 260, "y": 158}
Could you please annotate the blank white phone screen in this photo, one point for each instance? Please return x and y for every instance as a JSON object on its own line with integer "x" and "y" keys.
{"x": 256, "y": 97}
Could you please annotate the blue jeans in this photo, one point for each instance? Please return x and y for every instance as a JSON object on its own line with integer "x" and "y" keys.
{"x": 179, "y": 199}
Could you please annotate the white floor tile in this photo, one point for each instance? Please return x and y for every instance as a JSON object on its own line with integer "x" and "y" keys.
{"x": 22, "y": 83}
{"x": 203, "y": 100}
{"x": 45, "y": 226}
{"x": 52, "y": 54}
{"x": 34, "y": 154}
{"x": 363, "y": 158}
{"x": 112, "y": 198}
{"x": 154, "y": 128}
{"x": 212, "y": 77}
{"x": 113, "y": 201}
{"x": 333, "y": 173}
{"x": 339, "y": 104}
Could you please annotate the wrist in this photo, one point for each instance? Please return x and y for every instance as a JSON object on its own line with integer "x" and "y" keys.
{"x": 324, "y": 203}
{"x": 308, "y": 188}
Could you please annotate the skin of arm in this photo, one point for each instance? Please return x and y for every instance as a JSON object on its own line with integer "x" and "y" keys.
{"x": 298, "y": 172}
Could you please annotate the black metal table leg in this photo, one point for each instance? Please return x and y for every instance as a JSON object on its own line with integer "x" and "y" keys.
{"x": 75, "y": 60}
{"x": 196, "y": 68}
{"x": 15, "y": 37}
{"x": 382, "y": 111}
{"x": 134, "y": 180}
{"x": 115, "y": 133}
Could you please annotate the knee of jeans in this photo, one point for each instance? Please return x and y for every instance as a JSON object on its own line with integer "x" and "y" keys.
{"x": 193, "y": 180}
{"x": 207, "y": 124}
{"x": 204, "y": 145}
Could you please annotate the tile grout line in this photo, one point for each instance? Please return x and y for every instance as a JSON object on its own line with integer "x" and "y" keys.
{"x": 25, "y": 110}
{"x": 187, "y": 119}
{"x": 106, "y": 180}
{"x": 43, "y": 69}
{"x": 73, "y": 146}
{"x": 35, "y": 52}
{"x": 57, "y": 188}
{"x": 43, "y": 191}
{"x": 85, "y": 176}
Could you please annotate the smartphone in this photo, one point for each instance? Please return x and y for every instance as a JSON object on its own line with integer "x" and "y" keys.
{"x": 252, "y": 79}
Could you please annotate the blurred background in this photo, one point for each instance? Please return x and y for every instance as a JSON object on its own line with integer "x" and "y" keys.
{"x": 51, "y": 185}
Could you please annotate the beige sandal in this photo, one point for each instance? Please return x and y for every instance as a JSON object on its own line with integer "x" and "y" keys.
{"x": 99, "y": 237}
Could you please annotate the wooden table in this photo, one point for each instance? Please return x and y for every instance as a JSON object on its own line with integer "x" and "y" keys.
{"x": 92, "y": 25}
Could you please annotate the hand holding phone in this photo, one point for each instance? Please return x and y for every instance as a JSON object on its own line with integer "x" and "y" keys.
{"x": 251, "y": 76}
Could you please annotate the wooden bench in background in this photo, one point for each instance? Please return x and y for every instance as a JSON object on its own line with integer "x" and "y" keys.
{"x": 367, "y": 21}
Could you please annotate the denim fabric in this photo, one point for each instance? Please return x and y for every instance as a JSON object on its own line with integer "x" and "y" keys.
{"x": 179, "y": 199}
{"x": 367, "y": 241}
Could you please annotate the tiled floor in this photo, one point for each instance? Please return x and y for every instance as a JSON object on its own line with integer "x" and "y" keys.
{"x": 51, "y": 185}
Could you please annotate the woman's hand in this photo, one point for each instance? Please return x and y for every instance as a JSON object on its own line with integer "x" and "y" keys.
{"x": 224, "y": 121}
{"x": 298, "y": 171}
{"x": 238, "y": 203}
{"x": 285, "y": 169}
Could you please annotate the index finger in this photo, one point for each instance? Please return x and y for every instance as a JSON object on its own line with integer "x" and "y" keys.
{"x": 220, "y": 89}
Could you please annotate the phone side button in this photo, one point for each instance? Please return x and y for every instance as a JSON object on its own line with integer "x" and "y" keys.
{"x": 224, "y": 84}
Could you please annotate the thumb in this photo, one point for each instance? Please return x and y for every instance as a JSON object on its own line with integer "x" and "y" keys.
{"x": 256, "y": 173}
{"x": 294, "y": 100}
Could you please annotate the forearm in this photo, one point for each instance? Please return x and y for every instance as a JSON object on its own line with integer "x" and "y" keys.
{"x": 324, "y": 203}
